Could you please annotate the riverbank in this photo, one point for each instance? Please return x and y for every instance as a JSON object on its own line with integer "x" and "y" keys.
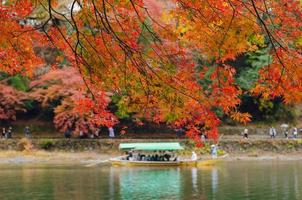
{"x": 54, "y": 157}
{"x": 90, "y": 151}
{"x": 90, "y": 159}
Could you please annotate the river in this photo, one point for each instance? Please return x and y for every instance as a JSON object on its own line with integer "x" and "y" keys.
{"x": 232, "y": 180}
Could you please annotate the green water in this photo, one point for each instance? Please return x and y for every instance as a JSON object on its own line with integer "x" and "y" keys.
{"x": 267, "y": 180}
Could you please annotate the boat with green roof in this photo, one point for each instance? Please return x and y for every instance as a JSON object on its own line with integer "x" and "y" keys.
{"x": 160, "y": 154}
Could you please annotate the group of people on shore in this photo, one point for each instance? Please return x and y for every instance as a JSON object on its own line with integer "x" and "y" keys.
{"x": 293, "y": 133}
{"x": 68, "y": 134}
{"x": 7, "y": 133}
{"x": 287, "y": 132}
{"x": 82, "y": 135}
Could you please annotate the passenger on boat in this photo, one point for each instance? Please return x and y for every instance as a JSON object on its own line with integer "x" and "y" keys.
{"x": 138, "y": 158}
{"x": 161, "y": 158}
{"x": 167, "y": 157}
{"x": 130, "y": 155}
{"x": 174, "y": 157}
{"x": 156, "y": 158}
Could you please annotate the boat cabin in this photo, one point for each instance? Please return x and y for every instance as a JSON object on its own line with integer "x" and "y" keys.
{"x": 150, "y": 151}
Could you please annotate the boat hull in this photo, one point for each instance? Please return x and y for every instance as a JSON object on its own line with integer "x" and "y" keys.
{"x": 144, "y": 163}
{"x": 187, "y": 163}
{"x": 120, "y": 161}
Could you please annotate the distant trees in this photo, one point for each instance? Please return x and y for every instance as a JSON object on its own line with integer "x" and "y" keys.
{"x": 63, "y": 92}
{"x": 74, "y": 109}
{"x": 11, "y": 102}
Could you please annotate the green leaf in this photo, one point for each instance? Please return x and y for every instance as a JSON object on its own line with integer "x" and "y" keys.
{"x": 19, "y": 82}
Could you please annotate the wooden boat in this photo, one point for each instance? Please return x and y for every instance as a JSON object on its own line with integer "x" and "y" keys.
{"x": 122, "y": 161}
{"x": 182, "y": 163}
{"x": 146, "y": 147}
{"x": 119, "y": 162}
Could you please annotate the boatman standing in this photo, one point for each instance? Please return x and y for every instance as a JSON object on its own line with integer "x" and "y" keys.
{"x": 214, "y": 151}
{"x": 194, "y": 156}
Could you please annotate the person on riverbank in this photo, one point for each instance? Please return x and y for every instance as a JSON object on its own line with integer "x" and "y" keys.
{"x": 272, "y": 132}
{"x": 82, "y": 135}
{"x": 284, "y": 127}
{"x": 286, "y": 133}
{"x": 111, "y": 132}
{"x": 213, "y": 151}
{"x": 9, "y": 133}
{"x": 246, "y": 133}
{"x": 27, "y": 132}
{"x": 3, "y": 132}
{"x": 68, "y": 133}
{"x": 91, "y": 136}
{"x": 97, "y": 133}
{"x": 180, "y": 132}
{"x": 295, "y": 133}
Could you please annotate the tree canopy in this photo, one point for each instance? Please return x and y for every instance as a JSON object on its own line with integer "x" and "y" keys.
{"x": 153, "y": 54}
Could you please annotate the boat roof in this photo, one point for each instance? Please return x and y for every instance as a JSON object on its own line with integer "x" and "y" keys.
{"x": 151, "y": 146}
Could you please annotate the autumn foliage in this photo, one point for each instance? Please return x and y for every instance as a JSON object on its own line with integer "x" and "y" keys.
{"x": 76, "y": 110}
{"x": 11, "y": 102}
{"x": 145, "y": 52}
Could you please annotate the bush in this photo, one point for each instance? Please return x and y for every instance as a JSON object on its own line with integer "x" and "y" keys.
{"x": 25, "y": 145}
{"x": 19, "y": 82}
{"x": 46, "y": 144}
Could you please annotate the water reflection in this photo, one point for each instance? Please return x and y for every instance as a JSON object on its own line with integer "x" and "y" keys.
{"x": 214, "y": 181}
{"x": 144, "y": 183}
{"x": 112, "y": 183}
{"x": 231, "y": 181}
{"x": 194, "y": 178}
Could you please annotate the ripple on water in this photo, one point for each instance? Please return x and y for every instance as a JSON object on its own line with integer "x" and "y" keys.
{"x": 234, "y": 180}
